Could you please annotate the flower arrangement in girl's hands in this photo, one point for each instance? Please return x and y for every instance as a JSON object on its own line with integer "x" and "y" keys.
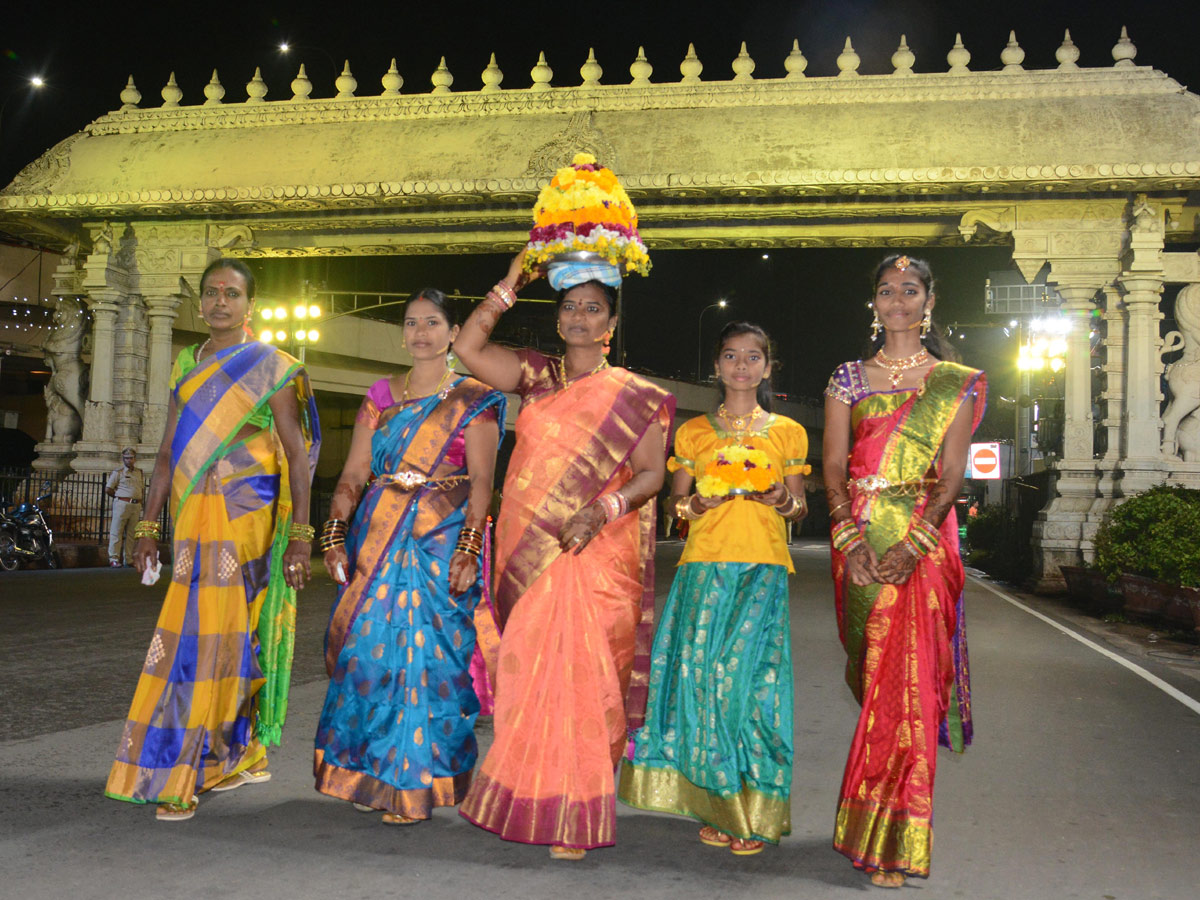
{"x": 736, "y": 470}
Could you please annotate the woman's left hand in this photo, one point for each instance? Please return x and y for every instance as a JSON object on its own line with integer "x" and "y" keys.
{"x": 579, "y": 530}
{"x": 772, "y": 496}
{"x": 897, "y": 564}
{"x": 296, "y": 561}
{"x": 463, "y": 569}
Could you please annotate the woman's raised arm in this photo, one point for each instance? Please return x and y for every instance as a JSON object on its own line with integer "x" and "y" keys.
{"x": 498, "y": 366}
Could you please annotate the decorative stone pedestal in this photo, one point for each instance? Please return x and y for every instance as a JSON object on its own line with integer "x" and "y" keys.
{"x": 54, "y": 460}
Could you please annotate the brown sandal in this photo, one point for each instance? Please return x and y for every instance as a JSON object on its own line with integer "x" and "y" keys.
{"x": 573, "y": 854}
{"x": 398, "y": 819}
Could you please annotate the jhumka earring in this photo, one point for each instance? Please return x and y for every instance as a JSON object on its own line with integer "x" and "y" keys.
{"x": 927, "y": 322}
{"x": 876, "y": 325}
{"x": 451, "y": 359}
{"x": 607, "y": 347}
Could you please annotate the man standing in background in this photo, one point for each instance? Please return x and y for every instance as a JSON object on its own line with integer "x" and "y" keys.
{"x": 126, "y": 485}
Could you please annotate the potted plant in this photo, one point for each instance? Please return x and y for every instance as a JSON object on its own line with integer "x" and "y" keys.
{"x": 1149, "y": 545}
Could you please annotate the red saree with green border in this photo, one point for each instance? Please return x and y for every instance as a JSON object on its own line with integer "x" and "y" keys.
{"x": 905, "y": 644}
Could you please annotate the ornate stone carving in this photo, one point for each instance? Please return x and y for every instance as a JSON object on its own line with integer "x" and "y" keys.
{"x": 66, "y": 389}
{"x": 1183, "y": 379}
{"x": 46, "y": 170}
{"x": 580, "y": 136}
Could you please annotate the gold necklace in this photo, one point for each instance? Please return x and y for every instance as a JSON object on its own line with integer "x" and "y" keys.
{"x": 436, "y": 390}
{"x": 562, "y": 370}
{"x": 739, "y": 425}
{"x": 897, "y": 367}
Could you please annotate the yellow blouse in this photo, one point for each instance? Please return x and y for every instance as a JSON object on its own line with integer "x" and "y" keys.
{"x": 739, "y": 530}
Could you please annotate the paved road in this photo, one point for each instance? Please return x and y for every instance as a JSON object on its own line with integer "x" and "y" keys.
{"x": 1083, "y": 782}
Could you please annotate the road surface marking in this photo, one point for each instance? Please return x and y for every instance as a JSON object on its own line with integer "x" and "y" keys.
{"x": 1167, "y": 689}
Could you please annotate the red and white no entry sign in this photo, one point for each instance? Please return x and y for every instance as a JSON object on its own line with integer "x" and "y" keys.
{"x": 984, "y": 461}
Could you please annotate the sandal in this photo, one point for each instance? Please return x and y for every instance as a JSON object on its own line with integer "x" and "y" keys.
{"x": 398, "y": 819}
{"x": 568, "y": 853}
{"x": 883, "y": 879}
{"x": 714, "y": 838}
{"x": 362, "y": 807}
{"x": 176, "y": 812}
{"x": 742, "y": 847}
{"x": 237, "y": 779}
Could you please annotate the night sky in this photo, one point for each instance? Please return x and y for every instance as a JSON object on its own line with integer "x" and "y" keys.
{"x": 812, "y": 301}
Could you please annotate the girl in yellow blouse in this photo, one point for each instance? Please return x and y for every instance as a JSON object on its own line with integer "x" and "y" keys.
{"x": 717, "y": 743}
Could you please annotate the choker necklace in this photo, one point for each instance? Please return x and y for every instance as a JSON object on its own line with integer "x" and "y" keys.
{"x": 739, "y": 425}
{"x": 436, "y": 390}
{"x": 897, "y": 367}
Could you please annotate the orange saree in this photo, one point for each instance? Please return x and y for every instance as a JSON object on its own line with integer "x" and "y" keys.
{"x": 574, "y": 651}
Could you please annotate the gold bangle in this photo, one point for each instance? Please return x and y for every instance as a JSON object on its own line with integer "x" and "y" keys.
{"x": 840, "y": 505}
{"x": 298, "y": 532}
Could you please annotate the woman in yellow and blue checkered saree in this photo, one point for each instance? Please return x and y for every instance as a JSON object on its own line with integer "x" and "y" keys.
{"x": 240, "y": 446}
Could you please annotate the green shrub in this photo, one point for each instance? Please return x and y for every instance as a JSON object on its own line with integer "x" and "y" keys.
{"x": 1000, "y": 544}
{"x": 1155, "y": 534}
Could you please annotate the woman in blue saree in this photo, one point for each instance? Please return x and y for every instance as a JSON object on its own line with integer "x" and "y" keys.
{"x": 237, "y": 457}
{"x": 397, "y": 728}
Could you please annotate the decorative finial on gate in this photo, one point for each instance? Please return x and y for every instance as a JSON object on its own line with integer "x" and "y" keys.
{"x": 130, "y": 96}
{"x": 958, "y": 57}
{"x": 214, "y": 91}
{"x": 1012, "y": 55}
{"x": 640, "y": 69}
{"x": 492, "y": 76}
{"x": 171, "y": 93}
{"x": 848, "y": 61}
{"x": 392, "y": 80}
{"x": 256, "y": 88}
{"x": 691, "y": 67}
{"x": 903, "y": 58}
{"x": 795, "y": 62}
{"x": 1067, "y": 54}
{"x": 1124, "y": 51}
{"x": 590, "y": 71}
{"x": 346, "y": 83}
{"x": 441, "y": 79}
{"x": 541, "y": 74}
{"x": 301, "y": 86}
{"x": 743, "y": 65}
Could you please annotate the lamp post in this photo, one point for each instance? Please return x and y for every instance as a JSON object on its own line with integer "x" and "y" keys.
{"x": 720, "y": 304}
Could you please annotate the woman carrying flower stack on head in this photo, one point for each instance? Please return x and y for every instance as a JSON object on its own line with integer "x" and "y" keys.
{"x": 717, "y": 743}
{"x": 237, "y": 457}
{"x": 404, "y": 543}
{"x": 574, "y": 557}
{"x": 898, "y": 426}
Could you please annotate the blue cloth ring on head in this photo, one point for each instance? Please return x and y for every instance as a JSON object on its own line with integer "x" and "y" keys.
{"x": 563, "y": 275}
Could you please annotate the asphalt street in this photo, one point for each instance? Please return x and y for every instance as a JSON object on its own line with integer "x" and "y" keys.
{"x": 1084, "y": 780}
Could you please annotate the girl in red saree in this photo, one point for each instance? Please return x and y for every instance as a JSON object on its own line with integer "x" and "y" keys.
{"x": 574, "y": 573}
{"x": 897, "y": 430}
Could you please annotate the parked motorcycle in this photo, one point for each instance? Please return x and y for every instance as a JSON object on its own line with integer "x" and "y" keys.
{"x": 25, "y": 535}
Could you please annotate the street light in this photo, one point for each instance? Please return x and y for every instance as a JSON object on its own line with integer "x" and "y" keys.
{"x": 720, "y": 304}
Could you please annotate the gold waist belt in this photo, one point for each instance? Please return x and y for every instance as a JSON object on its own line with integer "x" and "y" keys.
{"x": 877, "y": 484}
{"x": 412, "y": 480}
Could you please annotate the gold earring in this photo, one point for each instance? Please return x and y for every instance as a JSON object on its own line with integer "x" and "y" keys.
{"x": 927, "y": 322}
{"x": 876, "y": 325}
{"x": 558, "y": 328}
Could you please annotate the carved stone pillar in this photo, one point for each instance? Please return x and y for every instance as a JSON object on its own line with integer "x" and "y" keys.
{"x": 1142, "y": 282}
{"x": 106, "y": 283}
{"x": 129, "y": 371}
{"x": 1059, "y": 533}
{"x": 1114, "y": 394}
{"x": 63, "y": 353}
{"x": 161, "y": 312}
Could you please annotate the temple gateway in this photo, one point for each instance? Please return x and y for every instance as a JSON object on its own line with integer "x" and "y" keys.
{"x": 1088, "y": 176}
